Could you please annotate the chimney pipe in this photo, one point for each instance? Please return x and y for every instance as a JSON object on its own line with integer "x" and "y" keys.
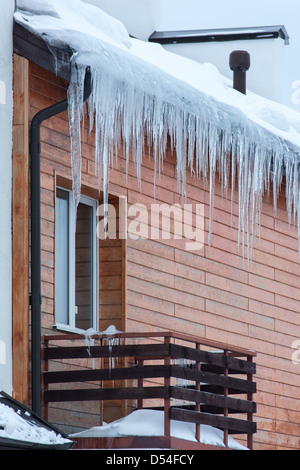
{"x": 239, "y": 62}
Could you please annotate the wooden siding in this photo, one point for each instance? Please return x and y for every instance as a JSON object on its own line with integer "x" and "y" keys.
{"x": 212, "y": 292}
{"x": 20, "y": 232}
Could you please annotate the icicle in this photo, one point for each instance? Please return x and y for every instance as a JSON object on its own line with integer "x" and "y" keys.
{"x": 75, "y": 101}
{"x": 90, "y": 341}
{"x": 112, "y": 362}
{"x": 109, "y": 335}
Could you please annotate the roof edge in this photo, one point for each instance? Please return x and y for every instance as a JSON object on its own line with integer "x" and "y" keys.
{"x": 220, "y": 35}
{"x": 36, "y": 50}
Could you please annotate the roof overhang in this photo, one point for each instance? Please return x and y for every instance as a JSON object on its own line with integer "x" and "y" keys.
{"x": 33, "y": 48}
{"x": 29, "y": 416}
{"x": 220, "y": 35}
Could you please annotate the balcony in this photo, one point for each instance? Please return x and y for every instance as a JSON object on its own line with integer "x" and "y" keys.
{"x": 191, "y": 380}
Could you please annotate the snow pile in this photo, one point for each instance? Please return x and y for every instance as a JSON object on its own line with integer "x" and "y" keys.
{"x": 151, "y": 423}
{"x": 109, "y": 334}
{"x": 14, "y": 426}
{"x": 110, "y": 331}
{"x": 142, "y": 94}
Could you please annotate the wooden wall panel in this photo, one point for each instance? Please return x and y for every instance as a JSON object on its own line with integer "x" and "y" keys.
{"x": 20, "y": 233}
{"x": 111, "y": 279}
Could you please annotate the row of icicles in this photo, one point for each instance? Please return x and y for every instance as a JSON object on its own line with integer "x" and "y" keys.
{"x": 208, "y": 140}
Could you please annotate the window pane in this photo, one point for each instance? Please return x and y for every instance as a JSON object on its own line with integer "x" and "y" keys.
{"x": 84, "y": 267}
{"x": 62, "y": 257}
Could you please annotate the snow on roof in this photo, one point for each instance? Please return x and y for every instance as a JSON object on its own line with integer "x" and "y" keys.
{"x": 151, "y": 423}
{"x": 144, "y": 93}
{"x": 65, "y": 21}
{"x": 19, "y": 425}
{"x": 86, "y": 29}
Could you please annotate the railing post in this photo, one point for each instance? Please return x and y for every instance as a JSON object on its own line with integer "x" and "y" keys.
{"x": 226, "y": 395}
{"x": 140, "y": 363}
{"x": 167, "y": 401}
{"x": 250, "y": 415}
{"x": 101, "y": 387}
{"x": 198, "y": 368}
{"x": 46, "y": 368}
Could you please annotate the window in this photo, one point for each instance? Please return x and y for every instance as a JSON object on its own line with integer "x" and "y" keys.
{"x": 76, "y": 264}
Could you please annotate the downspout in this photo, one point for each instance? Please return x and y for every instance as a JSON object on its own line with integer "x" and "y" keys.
{"x": 36, "y": 292}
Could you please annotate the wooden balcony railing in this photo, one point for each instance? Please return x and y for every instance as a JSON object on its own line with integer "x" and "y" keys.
{"x": 193, "y": 379}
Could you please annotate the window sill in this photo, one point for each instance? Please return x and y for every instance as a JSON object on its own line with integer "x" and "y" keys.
{"x": 68, "y": 329}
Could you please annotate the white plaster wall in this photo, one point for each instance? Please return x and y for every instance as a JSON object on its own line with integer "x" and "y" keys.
{"x": 6, "y": 111}
{"x": 141, "y": 17}
{"x": 266, "y": 74}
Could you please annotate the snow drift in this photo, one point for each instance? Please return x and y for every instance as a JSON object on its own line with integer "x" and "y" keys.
{"x": 151, "y": 423}
{"x": 143, "y": 94}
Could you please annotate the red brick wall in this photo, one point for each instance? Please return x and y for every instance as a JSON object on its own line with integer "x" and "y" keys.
{"x": 213, "y": 293}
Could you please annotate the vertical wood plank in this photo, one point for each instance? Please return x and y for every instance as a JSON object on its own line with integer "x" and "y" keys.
{"x": 123, "y": 237}
{"x": 20, "y": 234}
{"x": 140, "y": 384}
{"x": 167, "y": 401}
{"x": 198, "y": 368}
{"x": 250, "y": 441}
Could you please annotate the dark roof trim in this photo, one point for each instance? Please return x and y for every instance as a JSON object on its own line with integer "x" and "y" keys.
{"x": 219, "y": 35}
{"x": 28, "y": 415}
{"x": 33, "y": 48}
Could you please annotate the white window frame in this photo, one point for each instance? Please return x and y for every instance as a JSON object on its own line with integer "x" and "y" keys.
{"x": 71, "y": 326}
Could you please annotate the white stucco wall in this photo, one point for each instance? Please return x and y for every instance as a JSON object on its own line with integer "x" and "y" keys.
{"x": 266, "y": 74}
{"x": 274, "y": 72}
{"x": 6, "y": 111}
{"x": 141, "y": 17}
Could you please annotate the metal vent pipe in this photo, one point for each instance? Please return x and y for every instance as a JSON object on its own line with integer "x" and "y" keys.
{"x": 239, "y": 63}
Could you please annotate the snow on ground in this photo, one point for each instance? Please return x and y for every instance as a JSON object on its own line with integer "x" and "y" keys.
{"x": 14, "y": 426}
{"x": 151, "y": 423}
